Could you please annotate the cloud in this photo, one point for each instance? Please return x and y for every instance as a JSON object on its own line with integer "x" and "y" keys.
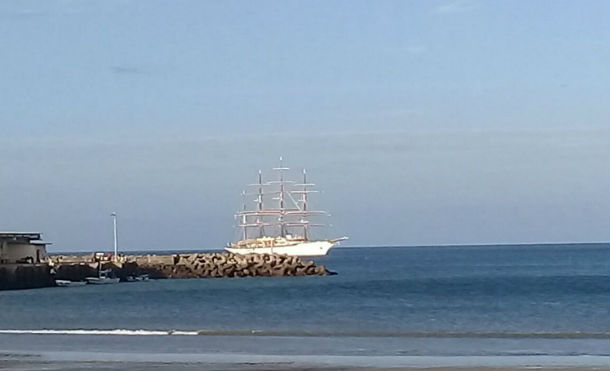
{"x": 24, "y": 14}
{"x": 454, "y": 7}
{"x": 127, "y": 70}
{"x": 15, "y": 11}
{"x": 416, "y": 50}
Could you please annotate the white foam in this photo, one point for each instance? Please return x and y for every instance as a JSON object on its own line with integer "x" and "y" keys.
{"x": 184, "y": 333}
{"x": 121, "y": 332}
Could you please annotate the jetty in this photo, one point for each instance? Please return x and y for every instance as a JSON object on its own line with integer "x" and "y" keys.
{"x": 24, "y": 264}
{"x": 191, "y": 265}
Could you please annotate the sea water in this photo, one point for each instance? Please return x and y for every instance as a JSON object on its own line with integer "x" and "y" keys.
{"x": 523, "y": 305}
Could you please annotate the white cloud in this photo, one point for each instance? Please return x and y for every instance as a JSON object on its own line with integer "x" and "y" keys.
{"x": 416, "y": 49}
{"x": 454, "y": 7}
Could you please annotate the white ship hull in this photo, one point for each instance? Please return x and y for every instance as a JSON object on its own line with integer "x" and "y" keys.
{"x": 309, "y": 248}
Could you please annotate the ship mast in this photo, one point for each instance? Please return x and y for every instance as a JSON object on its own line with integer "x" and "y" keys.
{"x": 304, "y": 202}
{"x": 244, "y": 217}
{"x": 259, "y": 200}
{"x": 290, "y": 212}
{"x": 281, "y": 199}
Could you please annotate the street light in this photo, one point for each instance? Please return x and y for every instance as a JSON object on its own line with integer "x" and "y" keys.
{"x": 115, "y": 236}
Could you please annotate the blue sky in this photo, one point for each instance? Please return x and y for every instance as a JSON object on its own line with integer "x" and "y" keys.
{"x": 424, "y": 122}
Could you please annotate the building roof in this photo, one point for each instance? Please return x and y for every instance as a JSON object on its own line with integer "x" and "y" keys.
{"x": 39, "y": 242}
{"x": 20, "y": 236}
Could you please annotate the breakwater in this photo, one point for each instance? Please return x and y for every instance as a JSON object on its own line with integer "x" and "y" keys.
{"x": 25, "y": 276}
{"x": 193, "y": 265}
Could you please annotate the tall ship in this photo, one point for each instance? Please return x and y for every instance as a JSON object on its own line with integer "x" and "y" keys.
{"x": 280, "y": 220}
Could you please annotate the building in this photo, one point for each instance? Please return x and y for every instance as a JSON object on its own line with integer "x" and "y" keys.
{"x": 22, "y": 248}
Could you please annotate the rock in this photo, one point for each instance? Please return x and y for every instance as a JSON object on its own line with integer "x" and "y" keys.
{"x": 195, "y": 265}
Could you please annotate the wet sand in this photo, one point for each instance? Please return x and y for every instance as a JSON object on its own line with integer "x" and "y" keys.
{"x": 170, "y": 368}
{"x": 148, "y": 366}
{"x": 22, "y": 361}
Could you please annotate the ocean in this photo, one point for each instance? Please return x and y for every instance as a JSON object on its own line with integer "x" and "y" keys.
{"x": 506, "y": 305}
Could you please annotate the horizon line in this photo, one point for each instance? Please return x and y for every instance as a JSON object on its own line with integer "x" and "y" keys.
{"x": 370, "y": 246}
{"x": 486, "y": 244}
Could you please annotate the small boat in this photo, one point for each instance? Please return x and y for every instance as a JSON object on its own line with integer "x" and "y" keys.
{"x": 66, "y": 283}
{"x": 139, "y": 278}
{"x": 103, "y": 278}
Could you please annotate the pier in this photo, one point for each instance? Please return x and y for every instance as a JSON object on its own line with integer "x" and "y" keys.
{"x": 24, "y": 264}
{"x": 192, "y": 265}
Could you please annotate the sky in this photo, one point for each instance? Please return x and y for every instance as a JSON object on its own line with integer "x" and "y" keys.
{"x": 422, "y": 122}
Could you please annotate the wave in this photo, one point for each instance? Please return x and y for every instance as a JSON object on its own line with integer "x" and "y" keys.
{"x": 405, "y": 334}
{"x": 94, "y": 332}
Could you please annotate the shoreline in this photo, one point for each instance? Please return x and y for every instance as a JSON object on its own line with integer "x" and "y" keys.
{"x": 77, "y": 360}
{"x": 179, "y": 367}
{"x": 26, "y": 351}
{"x": 147, "y": 366}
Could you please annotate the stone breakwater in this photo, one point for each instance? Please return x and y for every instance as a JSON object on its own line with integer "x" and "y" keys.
{"x": 194, "y": 265}
{"x": 25, "y": 276}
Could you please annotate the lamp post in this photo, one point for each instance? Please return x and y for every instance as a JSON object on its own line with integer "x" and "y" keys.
{"x": 115, "y": 257}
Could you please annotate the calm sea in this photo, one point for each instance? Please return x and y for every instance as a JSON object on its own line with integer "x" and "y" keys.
{"x": 388, "y": 306}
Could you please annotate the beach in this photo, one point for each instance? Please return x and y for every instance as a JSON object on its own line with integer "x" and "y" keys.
{"x": 231, "y": 362}
{"x": 279, "y": 365}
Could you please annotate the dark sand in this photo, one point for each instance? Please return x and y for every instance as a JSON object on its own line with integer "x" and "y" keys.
{"x": 112, "y": 366}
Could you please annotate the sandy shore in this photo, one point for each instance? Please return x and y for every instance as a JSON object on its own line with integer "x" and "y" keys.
{"x": 120, "y": 359}
{"x": 146, "y": 366}
{"x": 110, "y": 362}
{"x": 180, "y": 368}
{"x": 419, "y": 369}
